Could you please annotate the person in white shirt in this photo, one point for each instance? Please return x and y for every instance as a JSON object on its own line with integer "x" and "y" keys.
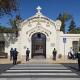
{"x": 71, "y": 53}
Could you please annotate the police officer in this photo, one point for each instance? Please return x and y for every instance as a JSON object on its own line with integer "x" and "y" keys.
{"x": 79, "y": 60}
{"x": 11, "y": 54}
{"x": 54, "y": 54}
{"x": 15, "y": 54}
{"x": 27, "y": 54}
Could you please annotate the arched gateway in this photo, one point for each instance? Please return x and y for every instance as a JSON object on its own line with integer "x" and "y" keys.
{"x": 38, "y": 45}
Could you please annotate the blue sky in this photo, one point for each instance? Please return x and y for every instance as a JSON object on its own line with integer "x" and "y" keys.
{"x": 50, "y": 8}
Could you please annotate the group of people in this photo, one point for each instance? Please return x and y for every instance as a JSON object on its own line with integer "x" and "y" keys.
{"x": 14, "y": 54}
{"x": 72, "y": 54}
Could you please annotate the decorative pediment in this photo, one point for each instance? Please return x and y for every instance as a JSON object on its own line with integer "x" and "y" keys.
{"x": 38, "y": 29}
{"x": 38, "y": 17}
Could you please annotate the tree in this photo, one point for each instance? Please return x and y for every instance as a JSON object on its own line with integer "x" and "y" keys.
{"x": 77, "y": 31}
{"x": 8, "y": 6}
{"x": 15, "y": 23}
{"x": 64, "y": 18}
{"x": 63, "y": 25}
{"x": 72, "y": 27}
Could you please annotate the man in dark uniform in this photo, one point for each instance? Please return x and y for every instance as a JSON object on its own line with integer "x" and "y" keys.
{"x": 54, "y": 54}
{"x": 27, "y": 54}
{"x": 78, "y": 60}
{"x": 15, "y": 53}
{"x": 11, "y": 54}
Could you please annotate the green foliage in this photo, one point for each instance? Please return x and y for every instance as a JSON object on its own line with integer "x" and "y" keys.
{"x": 15, "y": 26}
{"x": 8, "y": 6}
{"x": 77, "y": 30}
{"x": 60, "y": 17}
{"x": 15, "y": 22}
{"x": 64, "y": 18}
{"x": 62, "y": 27}
{"x": 72, "y": 27}
{"x": 8, "y": 30}
{"x": 4, "y": 29}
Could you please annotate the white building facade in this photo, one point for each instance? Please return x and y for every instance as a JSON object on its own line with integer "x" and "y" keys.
{"x": 41, "y": 35}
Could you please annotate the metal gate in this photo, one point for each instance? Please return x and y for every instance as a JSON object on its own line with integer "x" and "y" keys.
{"x": 38, "y": 44}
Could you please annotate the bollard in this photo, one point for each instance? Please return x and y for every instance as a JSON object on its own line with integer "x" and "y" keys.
{"x": 79, "y": 61}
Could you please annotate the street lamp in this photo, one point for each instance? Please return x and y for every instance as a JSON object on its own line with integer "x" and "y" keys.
{"x": 64, "y": 41}
{"x": 79, "y": 55}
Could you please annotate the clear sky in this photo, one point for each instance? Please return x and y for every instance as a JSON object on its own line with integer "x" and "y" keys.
{"x": 50, "y": 8}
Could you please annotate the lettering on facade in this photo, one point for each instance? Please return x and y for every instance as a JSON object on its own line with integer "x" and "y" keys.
{"x": 52, "y": 44}
{"x": 24, "y": 47}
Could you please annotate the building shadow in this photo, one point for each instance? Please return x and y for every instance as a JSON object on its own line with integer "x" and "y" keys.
{"x": 73, "y": 67}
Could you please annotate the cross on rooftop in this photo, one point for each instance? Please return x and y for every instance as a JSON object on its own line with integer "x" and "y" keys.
{"x": 38, "y": 9}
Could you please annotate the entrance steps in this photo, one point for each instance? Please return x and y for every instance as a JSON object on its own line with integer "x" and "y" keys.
{"x": 48, "y": 61}
{"x": 37, "y": 60}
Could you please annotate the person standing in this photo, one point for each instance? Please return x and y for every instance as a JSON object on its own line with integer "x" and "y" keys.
{"x": 54, "y": 54}
{"x": 78, "y": 60}
{"x": 11, "y": 54}
{"x": 27, "y": 54}
{"x": 72, "y": 52}
{"x": 15, "y": 54}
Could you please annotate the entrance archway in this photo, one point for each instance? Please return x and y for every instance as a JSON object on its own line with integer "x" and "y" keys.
{"x": 38, "y": 45}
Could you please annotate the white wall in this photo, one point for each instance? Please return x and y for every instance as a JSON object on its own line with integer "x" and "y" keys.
{"x": 54, "y": 37}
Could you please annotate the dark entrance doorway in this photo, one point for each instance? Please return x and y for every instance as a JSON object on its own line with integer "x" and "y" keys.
{"x": 38, "y": 45}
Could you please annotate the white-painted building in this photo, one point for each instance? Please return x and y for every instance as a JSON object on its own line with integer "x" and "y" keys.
{"x": 41, "y": 35}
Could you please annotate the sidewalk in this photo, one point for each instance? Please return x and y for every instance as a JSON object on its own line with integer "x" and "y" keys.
{"x": 37, "y": 61}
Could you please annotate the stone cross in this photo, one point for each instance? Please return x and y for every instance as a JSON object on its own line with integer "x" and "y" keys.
{"x": 39, "y": 9}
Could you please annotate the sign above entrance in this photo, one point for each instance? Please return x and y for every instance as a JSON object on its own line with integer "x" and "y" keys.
{"x": 64, "y": 40}
{"x": 52, "y": 44}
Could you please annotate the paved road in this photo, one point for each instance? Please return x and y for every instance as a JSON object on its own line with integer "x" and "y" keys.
{"x": 39, "y": 72}
{"x": 4, "y": 67}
